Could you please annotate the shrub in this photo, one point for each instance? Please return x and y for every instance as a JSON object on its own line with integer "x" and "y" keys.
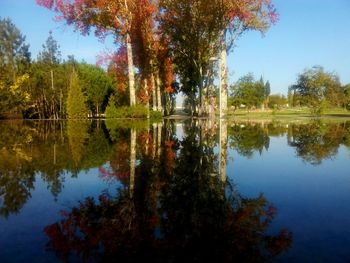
{"x": 137, "y": 111}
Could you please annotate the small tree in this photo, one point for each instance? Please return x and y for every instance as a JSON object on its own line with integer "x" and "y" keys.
{"x": 248, "y": 91}
{"x": 76, "y": 101}
{"x": 316, "y": 87}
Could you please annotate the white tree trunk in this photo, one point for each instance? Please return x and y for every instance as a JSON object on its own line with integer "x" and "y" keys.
{"x": 131, "y": 74}
{"x": 223, "y": 77}
{"x": 223, "y": 149}
{"x": 159, "y": 98}
{"x": 154, "y": 94}
{"x": 132, "y": 160}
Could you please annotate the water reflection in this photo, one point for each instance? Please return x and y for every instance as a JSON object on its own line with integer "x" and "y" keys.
{"x": 314, "y": 141}
{"x": 176, "y": 199}
{"x": 177, "y": 204}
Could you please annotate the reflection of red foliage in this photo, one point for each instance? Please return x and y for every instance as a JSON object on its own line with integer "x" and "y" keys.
{"x": 145, "y": 140}
{"x": 119, "y": 168}
{"x": 58, "y": 240}
{"x": 170, "y": 156}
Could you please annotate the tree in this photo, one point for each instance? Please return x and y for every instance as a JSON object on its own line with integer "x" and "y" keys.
{"x": 267, "y": 92}
{"x": 240, "y": 16}
{"x": 192, "y": 28}
{"x": 97, "y": 86}
{"x": 14, "y": 64}
{"x": 277, "y": 101}
{"x": 248, "y": 91}
{"x": 15, "y": 98}
{"x": 48, "y": 61}
{"x": 14, "y": 53}
{"x": 316, "y": 86}
{"x": 76, "y": 101}
{"x": 102, "y": 16}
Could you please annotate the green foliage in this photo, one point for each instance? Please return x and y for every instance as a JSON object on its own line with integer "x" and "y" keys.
{"x": 14, "y": 64}
{"x": 97, "y": 85}
{"x": 76, "y": 101}
{"x": 156, "y": 115}
{"x": 194, "y": 32}
{"x": 317, "y": 87}
{"x": 277, "y": 101}
{"x": 247, "y": 138}
{"x": 248, "y": 91}
{"x": 14, "y": 53}
{"x": 15, "y": 97}
{"x": 136, "y": 111}
{"x": 346, "y": 89}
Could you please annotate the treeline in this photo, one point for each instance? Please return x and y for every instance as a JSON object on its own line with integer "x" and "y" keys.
{"x": 315, "y": 89}
{"x": 170, "y": 45}
{"x": 49, "y": 87}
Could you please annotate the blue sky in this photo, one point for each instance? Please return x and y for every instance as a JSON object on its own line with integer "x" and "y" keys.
{"x": 310, "y": 32}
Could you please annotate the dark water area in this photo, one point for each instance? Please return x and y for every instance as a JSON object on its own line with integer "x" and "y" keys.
{"x": 191, "y": 191}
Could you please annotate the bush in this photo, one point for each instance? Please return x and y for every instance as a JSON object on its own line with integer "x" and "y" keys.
{"x": 137, "y": 111}
{"x": 156, "y": 115}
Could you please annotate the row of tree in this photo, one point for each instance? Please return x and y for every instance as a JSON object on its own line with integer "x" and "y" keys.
{"x": 48, "y": 87}
{"x": 314, "y": 88}
{"x": 168, "y": 40}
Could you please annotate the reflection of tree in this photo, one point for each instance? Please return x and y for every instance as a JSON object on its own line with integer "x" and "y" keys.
{"x": 178, "y": 212}
{"x": 247, "y": 138}
{"x": 32, "y": 149}
{"x": 77, "y": 132}
{"x": 16, "y": 181}
{"x": 316, "y": 141}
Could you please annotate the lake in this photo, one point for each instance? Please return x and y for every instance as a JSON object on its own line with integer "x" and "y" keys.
{"x": 176, "y": 191}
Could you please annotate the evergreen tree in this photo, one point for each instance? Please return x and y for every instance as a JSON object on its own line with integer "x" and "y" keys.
{"x": 14, "y": 53}
{"x": 267, "y": 89}
{"x": 76, "y": 101}
{"x": 48, "y": 62}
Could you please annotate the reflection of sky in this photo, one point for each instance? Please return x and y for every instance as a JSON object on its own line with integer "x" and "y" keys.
{"x": 23, "y": 233}
{"x": 311, "y": 201}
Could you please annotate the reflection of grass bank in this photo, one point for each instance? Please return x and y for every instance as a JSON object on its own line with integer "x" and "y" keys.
{"x": 289, "y": 114}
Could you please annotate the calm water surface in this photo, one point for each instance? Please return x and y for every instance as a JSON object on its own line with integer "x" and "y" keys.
{"x": 175, "y": 191}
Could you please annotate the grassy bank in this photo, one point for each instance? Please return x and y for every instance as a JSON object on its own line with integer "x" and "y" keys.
{"x": 291, "y": 113}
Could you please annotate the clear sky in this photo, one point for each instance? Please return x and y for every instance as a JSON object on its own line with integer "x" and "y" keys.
{"x": 309, "y": 32}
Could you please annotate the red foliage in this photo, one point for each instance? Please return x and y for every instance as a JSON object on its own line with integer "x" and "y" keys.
{"x": 117, "y": 67}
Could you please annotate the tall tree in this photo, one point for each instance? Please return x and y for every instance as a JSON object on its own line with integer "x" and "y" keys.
{"x": 192, "y": 28}
{"x": 248, "y": 91}
{"x": 14, "y": 52}
{"x": 49, "y": 59}
{"x": 316, "y": 86}
{"x": 97, "y": 85}
{"x": 76, "y": 101}
{"x": 14, "y": 64}
{"x": 239, "y": 17}
{"x": 102, "y": 16}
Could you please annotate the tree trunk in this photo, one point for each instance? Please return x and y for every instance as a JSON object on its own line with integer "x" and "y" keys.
{"x": 132, "y": 160}
{"x": 159, "y": 139}
{"x": 200, "y": 109}
{"x": 223, "y": 76}
{"x": 131, "y": 74}
{"x": 154, "y": 94}
{"x": 222, "y": 149}
{"x": 147, "y": 97}
{"x": 159, "y": 98}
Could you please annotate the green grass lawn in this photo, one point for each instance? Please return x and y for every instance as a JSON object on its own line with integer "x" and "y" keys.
{"x": 289, "y": 113}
